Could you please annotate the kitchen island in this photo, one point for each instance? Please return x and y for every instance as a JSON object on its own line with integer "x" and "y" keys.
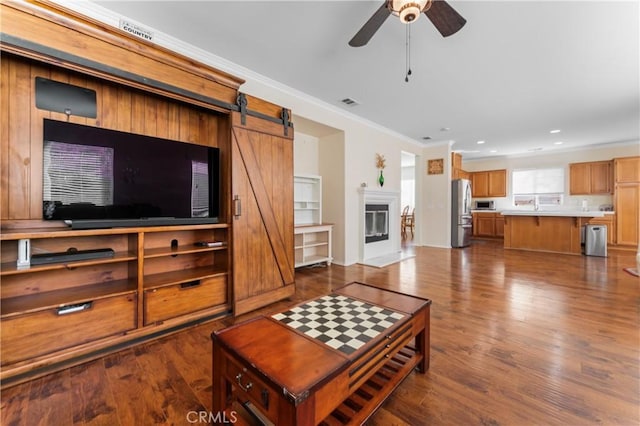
{"x": 550, "y": 231}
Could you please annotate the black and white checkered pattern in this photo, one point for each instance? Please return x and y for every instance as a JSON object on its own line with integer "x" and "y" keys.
{"x": 341, "y": 322}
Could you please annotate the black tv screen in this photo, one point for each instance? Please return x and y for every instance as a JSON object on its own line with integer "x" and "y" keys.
{"x": 106, "y": 178}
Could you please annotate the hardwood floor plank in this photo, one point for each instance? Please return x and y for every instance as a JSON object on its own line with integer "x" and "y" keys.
{"x": 170, "y": 389}
{"x": 50, "y": 401}
{"x": 517, "y": 338}
{"x": 134, "y": 395}
{"x": 91, "y": 399}
{"x": 14, "y": 403}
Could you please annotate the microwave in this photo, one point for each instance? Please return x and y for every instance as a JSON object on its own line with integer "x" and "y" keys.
{"x": 485, "y": 205}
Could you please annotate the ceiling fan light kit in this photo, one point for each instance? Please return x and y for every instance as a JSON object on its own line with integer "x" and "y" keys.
{"x": 409, "y": 11}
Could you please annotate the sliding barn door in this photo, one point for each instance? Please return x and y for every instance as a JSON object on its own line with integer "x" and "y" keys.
{"x": 262, "y": 209}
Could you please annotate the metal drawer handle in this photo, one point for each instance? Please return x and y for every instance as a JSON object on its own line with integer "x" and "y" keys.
{"x": 243, "y": 387}
{"x": 74, "y": 308}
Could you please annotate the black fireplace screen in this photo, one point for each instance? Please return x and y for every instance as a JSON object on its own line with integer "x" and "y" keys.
{"x": 376, "y": 222}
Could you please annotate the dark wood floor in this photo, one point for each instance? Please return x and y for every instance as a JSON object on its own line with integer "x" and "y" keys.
{"x": 517, "y": 338}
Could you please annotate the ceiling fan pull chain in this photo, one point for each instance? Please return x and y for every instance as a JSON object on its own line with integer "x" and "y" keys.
{"x": 408, "y": 54}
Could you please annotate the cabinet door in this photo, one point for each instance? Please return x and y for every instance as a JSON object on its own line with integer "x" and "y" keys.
{"x": 601, "y": 176}
{"x": 263, "y": 234}
{"x": 627, "y": 206}
{"x": 627, "y": 169}
{"x": 480, "y": 184}
{"x": 579, "y": 178}
{"x": 499, "y": 224}
{"x": 486, "y": 225}
{"x": 497, "y": 183}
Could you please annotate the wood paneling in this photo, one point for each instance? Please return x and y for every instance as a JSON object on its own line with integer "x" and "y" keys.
{"x": 517, "y": 338}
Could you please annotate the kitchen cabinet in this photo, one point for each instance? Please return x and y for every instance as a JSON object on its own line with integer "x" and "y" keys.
{"x": 456, "y": 167}
{"x": 627, "y": 200}
{"x": 627, "y": 169}
{"x": 488, "y": 224}
{"x": 489, "y": 183}
{"x": 591, "y": 178}
{"x": 627, "y": 207}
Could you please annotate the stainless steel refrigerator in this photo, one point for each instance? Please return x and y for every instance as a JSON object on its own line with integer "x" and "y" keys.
{"x": 461, "y": 220}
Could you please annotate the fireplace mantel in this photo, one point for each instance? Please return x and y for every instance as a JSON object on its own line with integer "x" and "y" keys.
{"x": 376, "y": 249}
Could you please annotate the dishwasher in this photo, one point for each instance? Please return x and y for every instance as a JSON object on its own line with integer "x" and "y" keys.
{"x": 595, "y": 240}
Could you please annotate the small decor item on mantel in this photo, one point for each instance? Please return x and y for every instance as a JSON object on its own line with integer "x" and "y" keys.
{"x": 380, "y": 164}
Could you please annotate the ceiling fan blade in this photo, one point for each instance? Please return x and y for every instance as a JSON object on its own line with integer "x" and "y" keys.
{"x": 446, "y": 20}
{"x": 367, "y": 31}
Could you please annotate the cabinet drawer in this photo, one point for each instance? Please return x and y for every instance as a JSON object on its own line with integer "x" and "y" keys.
{"x": 247, "y": 386}
{"x": 184, "y": 298}
{"x": 38, "y": 333}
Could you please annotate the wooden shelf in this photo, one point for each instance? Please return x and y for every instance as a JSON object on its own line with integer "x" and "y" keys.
{"x": 10, "y": 268}
{"x": 54, "y": 299}
{"x": 161, "y": 252}
{"x": 176, "y": 277}
{"x": 364, "y": 401}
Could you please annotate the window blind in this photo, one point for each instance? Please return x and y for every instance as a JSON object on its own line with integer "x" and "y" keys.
{"x": 538, "y": 181}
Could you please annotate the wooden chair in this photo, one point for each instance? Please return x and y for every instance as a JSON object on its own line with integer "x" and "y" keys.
{"x": 407, "y": 221}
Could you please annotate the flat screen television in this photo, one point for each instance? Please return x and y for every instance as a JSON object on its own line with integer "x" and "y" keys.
{"x": 100, "y": 178}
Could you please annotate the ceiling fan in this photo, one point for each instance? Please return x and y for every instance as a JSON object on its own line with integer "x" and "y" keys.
{"x": 446, "y": 20}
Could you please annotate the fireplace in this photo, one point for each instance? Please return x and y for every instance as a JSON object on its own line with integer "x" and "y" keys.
{"x": 379, "y": 223}
{"x": 376, "y": 226}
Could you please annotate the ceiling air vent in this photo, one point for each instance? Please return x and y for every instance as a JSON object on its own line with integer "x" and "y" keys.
{"x": 350, "y": 102}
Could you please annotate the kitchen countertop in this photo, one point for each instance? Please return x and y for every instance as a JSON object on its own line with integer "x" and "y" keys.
{"x": 563, "y": 213}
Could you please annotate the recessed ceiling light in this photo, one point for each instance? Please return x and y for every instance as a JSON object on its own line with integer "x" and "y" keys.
{"x": 493, "y": 151}
{"x": 445, "y": 129}
{"x": 558, "y": 143}
{"x": 480, "y": 142}
{"x": 555, "y": 131}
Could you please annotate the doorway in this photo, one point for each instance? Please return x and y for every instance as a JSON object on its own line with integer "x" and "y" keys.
{"x": 408, "y": 199}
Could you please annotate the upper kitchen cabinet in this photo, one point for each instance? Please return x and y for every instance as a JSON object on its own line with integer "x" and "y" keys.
{"x": 627, "y": 169}
{"x": 591, "y": 178}
{"x": 489, "y": 183}
{"x": 456, "y": 167}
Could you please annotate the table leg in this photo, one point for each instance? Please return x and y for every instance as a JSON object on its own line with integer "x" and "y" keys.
{"x": 221, "y": 387}
{"x": 423, "y": 341}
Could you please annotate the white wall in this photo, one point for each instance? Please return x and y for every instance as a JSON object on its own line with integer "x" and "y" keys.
{"x": 305, "y": 154}
{"x": 435, "y": 203}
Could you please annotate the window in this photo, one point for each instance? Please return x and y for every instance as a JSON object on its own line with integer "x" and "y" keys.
{"x": 538, "y": 187}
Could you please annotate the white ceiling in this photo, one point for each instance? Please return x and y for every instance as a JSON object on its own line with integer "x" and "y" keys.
{"x": 517, "y": 70}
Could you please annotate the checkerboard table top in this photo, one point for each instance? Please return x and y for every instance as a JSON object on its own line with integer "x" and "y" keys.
{"x": 341, "y": 322}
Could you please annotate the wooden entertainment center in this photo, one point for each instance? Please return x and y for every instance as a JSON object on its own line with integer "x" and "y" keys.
{"x": 157, "y": 281}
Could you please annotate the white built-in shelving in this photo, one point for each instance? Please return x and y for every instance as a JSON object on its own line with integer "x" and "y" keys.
{"x": 312, "y": 237}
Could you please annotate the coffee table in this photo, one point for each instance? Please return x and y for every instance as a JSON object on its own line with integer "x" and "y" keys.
{"x": 330, "y": 360}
